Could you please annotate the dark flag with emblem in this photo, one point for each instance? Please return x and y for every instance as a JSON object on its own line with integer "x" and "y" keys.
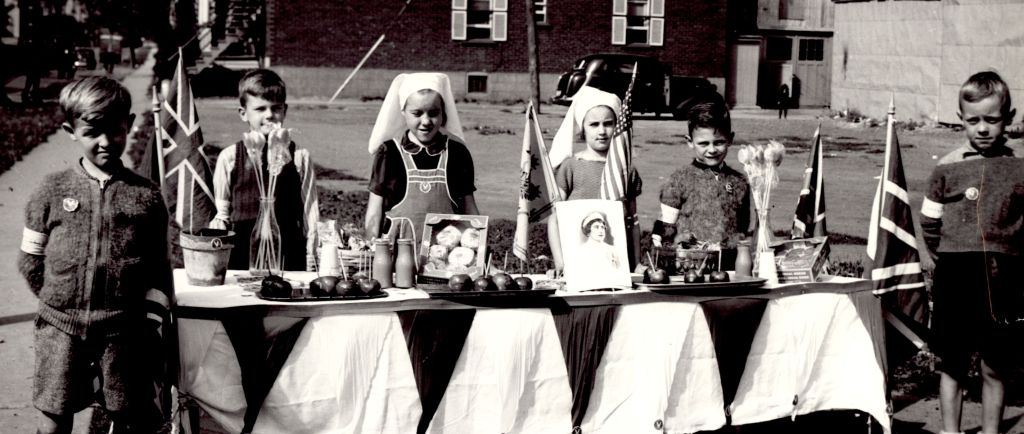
{"x": 537, "y": 189}
{"x": 809, "y": 219}
{"x": 894, "y": 265}
{"x": 180, "y": 166}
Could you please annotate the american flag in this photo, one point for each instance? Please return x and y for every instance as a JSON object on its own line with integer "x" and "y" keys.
{"x": 895, "y": 264}
{"x": 538, "y": 191}
{"x": 184, "y": 175}
{"x": 809, "y": 219}
{"x": 615, "y": 179}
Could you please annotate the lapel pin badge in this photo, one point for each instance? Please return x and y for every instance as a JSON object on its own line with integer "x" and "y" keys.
{"x": 70, "y": 204}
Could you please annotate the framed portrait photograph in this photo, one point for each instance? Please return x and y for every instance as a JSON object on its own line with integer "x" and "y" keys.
{"x": 592, "y": 234}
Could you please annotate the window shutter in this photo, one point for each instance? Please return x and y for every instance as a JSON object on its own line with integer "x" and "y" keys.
{"x": 499, "y": 5}
{"x": 458, "y": 25}
{"x": 459, "y": 5}
{"x": 618, "y": 30}
{"x": 499, "y": 23}
{"x": 657, "y": 35}
{"x": 657, "y": 8}
{"x": 619, "y": 8}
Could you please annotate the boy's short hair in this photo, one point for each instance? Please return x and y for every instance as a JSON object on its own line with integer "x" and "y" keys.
{"x": 262, "y": 83}
{"x": 95, "y": 99}
{"x": 713, "y": 115}
{"x": 984, "y": 84}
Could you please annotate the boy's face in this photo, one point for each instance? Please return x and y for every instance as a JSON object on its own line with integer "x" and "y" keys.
{"x": 102, "y": 140}
{"x": 262, "y": 115}
{"x": 598, "y": 126}
{"x": 710, "y": 145}
{"x": 984, "y": 121}
{"x": 424, "y": 115}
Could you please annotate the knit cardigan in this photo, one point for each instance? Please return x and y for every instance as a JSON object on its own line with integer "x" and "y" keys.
{"x": 95, "y": 252}
{"x": 975, "y": 203}
{"x": 713, "y": 203}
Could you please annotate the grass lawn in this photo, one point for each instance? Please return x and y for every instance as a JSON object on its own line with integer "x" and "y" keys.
{"x": 24, "y": 128}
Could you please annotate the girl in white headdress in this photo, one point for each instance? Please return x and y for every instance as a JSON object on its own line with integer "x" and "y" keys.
{"x": 591, "y": 117}
{"x": 420, "y": 164}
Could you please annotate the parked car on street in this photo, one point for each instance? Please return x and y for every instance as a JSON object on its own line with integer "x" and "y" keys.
{"x": 656, "y": 90}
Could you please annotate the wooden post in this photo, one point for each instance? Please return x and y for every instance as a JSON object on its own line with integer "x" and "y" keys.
{"x": 534, "y": 63}
{"x": 158, "y": 148}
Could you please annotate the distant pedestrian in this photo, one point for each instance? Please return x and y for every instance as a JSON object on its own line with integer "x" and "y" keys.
{"x": 94, "y": 251}
{"x": 783, "y": 101}
{"x": 971, "y": 218}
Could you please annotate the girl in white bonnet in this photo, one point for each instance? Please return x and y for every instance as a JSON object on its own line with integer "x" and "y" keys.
{"x": 592, "y": 117}
{"x": 420, "y": 164}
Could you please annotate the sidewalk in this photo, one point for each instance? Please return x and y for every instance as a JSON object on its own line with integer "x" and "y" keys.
{"x": 18, "y": 309}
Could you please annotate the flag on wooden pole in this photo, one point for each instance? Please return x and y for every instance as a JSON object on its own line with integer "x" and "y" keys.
{"x": 180, "y": 167}
{"x": 809, "y": 219}
{"x": 892, "y": 241}
{"x": 537, "y": 189}
{"x": 894, "y": 264}
{"x": 615, "y": 179}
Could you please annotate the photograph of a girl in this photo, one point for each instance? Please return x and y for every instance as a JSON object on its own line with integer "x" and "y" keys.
{"x": 594, "y": 248}
{"x": 597, "y": 242}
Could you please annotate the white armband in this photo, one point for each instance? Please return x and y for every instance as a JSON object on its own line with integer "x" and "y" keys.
{"x": 668, "y": 214}
{"x": 33, "y": 243}
{"x": 931, "y": 209}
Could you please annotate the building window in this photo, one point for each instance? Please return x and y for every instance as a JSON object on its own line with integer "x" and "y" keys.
{"x": 812, "y": 49}
{"x": 778, "y": 49}
{"x": 476, "y": 83}
{"x": 638, "y": 22}
{"x": 540, "y": 11}
{"x": 791, "y": 9}
{"x": 480, "y": 20}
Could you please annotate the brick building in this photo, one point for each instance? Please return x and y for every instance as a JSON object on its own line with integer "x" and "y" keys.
{"x": 482, "y": 44}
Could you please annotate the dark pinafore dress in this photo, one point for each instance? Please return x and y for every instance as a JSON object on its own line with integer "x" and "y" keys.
{"x": 426, "y": 191}
{"x": 288, "y": 208}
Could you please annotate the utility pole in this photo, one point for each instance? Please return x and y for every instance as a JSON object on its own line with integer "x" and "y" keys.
{"x": 534, "y": 68}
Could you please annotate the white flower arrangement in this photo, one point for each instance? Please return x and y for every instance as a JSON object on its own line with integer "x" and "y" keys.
{"x": 760, "y": 163}
{"x": 268, "y": 255}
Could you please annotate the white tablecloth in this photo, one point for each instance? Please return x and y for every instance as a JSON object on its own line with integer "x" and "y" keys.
{"x": 351, "y": 373}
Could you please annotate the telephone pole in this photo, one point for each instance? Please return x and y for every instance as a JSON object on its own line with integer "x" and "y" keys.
{"x": 531, "y": 43}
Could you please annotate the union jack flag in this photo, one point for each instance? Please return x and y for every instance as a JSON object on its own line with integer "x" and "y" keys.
{"x": 615, "y": 179}
{"x": 895, "y": 265}
{"x": 183, "y": 172}
{"x": 809, "y": 219}
{"x": 892, "y": 239}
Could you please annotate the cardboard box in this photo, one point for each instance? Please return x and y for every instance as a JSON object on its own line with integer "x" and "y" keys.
{"x": 453, "y": 244}
{"x": 800, "y": 261}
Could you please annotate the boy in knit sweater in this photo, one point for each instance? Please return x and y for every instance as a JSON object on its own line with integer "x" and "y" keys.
{"x": 94, "y": 251}
{"x": 706, "y": 200}
{"x": 973, "y": 223}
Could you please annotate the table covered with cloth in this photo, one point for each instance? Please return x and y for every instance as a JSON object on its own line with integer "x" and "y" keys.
{"x": 601, "y": 362}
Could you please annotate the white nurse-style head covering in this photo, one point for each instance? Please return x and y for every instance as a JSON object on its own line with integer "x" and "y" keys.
{"x": 584, "y": 100}
{"x": 390, "y": 122}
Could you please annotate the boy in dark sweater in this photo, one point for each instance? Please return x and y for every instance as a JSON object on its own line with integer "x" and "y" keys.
{"x": 94, "y": 251}
{"x": 973, "y": 223}
{"x": 706, "y": 200}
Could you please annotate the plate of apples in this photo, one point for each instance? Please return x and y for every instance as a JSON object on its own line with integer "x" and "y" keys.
{"x": 497, "y": 286}
{"x": 323, "y": 288}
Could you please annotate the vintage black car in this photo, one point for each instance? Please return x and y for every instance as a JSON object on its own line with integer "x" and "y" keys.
{"x": 656, "y": 90}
